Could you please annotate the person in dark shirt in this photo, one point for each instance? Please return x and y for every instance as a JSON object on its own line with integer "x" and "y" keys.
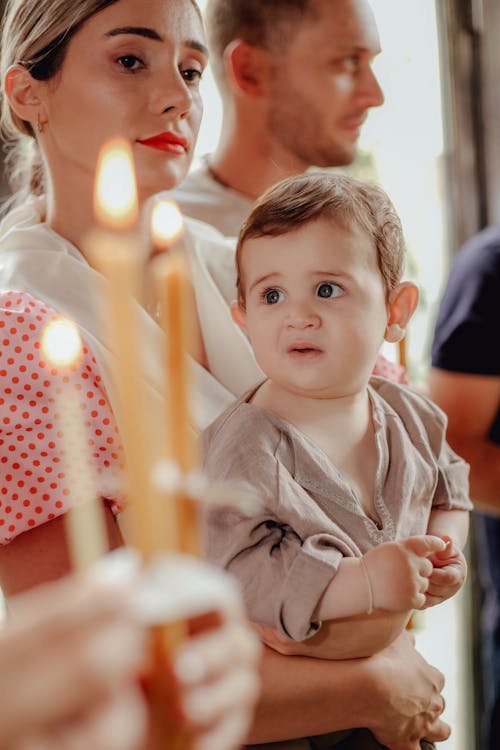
{"x": 465, "y": 382}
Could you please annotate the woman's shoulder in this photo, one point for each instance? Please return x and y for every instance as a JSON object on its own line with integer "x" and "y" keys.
{"x": 22, "y": 316}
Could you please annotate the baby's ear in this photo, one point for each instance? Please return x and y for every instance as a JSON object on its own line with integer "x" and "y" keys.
{"x": 403, "y": 300}
{"x": 239, "y": 315}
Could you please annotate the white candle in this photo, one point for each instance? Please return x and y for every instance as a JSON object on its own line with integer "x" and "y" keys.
{"x": 115, "y": 250}
{"x": 61, "y": 347}
{"x": 178, "y": 317}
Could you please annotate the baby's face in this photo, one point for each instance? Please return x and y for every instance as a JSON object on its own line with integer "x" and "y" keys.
{"x": 316, "y": 309}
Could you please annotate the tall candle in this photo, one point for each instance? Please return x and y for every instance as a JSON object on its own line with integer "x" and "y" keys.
{"x": 61, "y": 347}
{"x": 115, "y": 250}
{"x": 178, "y": 316}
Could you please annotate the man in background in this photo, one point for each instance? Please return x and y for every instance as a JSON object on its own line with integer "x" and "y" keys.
{"x": 296, "y": 82}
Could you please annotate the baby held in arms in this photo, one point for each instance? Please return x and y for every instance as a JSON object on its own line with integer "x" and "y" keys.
{"x": 363, "y": 505}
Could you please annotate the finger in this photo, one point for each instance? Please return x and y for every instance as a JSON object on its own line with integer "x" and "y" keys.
{"x": 446, "y": 576}
{"x": 234, "y": 693}
{"x": 424, "y": 545}
{"x": 425, "y": 567}
{"x": 431, "y": 600}
{"x": 226, "y": 734}
{"x": 119, "y": 724}
{"x": 420, "y": 601}
{"x": 208, "y": 655}
{"x": 438, "y": 731}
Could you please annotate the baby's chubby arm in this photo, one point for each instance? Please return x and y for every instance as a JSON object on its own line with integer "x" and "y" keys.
{"x": 368, "y": 602}
{"x": 393, "y": 577}
{"x": 450, "y": 566}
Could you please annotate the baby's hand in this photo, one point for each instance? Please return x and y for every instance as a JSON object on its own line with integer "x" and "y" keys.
{"x": 448, "y": 575}
{"x": 399, "y": 572}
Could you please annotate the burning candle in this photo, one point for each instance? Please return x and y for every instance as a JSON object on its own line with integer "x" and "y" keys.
{"x": 115, "y": 250}
{"x": 178, "y": 318}
{"x": 62, "y": 348}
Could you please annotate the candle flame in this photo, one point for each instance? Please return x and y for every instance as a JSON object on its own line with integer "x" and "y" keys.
{"x": 61, "y": 344}
{"x": 166, "y": 223}
{"x": 115, "y": 199}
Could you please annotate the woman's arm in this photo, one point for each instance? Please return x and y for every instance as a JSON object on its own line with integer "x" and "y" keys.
{"x": 42, "y": 554}
{"x": 394, "y": 693}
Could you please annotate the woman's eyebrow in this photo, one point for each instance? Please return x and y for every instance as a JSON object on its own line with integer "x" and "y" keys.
{"x": 138, "y": 30}
{"x": 152, "y": 34}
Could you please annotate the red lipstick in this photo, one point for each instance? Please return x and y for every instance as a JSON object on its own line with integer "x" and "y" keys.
{"x": 168, "y": 142}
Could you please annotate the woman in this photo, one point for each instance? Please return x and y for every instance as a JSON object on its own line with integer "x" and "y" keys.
{"x": 74, "y": 75}
{"x": 96, "y": 75}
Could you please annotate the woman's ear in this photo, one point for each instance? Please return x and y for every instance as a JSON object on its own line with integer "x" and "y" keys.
{"x": 22, "y": 91}
{"x": 239, "y": 315}
{"x": 246, "y": 68}
{"x": 403, "y": 300}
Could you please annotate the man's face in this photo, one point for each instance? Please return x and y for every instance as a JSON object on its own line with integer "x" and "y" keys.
{"x": 322, "y": 85}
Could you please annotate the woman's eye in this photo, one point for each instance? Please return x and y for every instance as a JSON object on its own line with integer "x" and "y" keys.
{"x": 327, "y": 290}
{"x": 272, "y": 296}
{"x": 130, "y": 62}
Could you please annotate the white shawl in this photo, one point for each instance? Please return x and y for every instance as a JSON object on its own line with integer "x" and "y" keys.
{"x": 34, "y": 259}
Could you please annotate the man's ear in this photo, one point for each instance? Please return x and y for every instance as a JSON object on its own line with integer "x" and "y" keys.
{"x": 246, "y": 68}
{"x": 403, "y": 300}
{"x": 239, "y": 315}
{"x": 22, "y": 91}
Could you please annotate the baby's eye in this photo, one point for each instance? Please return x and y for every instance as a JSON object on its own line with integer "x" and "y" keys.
{"x": 192, "y": 75}
{"x": 326, "y": 290}
{"x": 272, "y": 296}
{"x": 130, "y": 62}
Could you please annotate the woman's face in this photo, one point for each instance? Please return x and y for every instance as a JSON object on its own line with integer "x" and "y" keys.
{"x": 133, "y": 70}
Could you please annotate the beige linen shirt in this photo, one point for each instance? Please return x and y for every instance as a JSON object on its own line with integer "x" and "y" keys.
{"x": 287, "y": 552}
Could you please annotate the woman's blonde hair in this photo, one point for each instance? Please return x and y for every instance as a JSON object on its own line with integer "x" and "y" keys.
{"x": 35, "y": 34}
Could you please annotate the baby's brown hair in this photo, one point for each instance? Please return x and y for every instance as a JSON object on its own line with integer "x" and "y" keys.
{"x": 342, "y": 199}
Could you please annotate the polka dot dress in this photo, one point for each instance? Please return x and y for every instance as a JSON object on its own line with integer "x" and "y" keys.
{"x": 33, "y": 486}
{"x": 390, "y": 370}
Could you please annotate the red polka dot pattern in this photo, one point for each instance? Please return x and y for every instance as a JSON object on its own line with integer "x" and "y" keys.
{"x": 390, "y": 370}
{"x": 33, "y": 486}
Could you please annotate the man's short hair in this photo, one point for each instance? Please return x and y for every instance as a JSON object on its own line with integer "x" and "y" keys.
{"x": 341, "y": 199}
{"x": 260, "y": 23}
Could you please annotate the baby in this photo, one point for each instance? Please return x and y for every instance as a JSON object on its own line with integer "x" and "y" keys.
{"x": 364, "y": 506}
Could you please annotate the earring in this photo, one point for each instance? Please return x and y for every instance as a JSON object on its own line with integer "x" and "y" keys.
{"x": 394, "y": 333}
{"x": 39, "y": 126}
